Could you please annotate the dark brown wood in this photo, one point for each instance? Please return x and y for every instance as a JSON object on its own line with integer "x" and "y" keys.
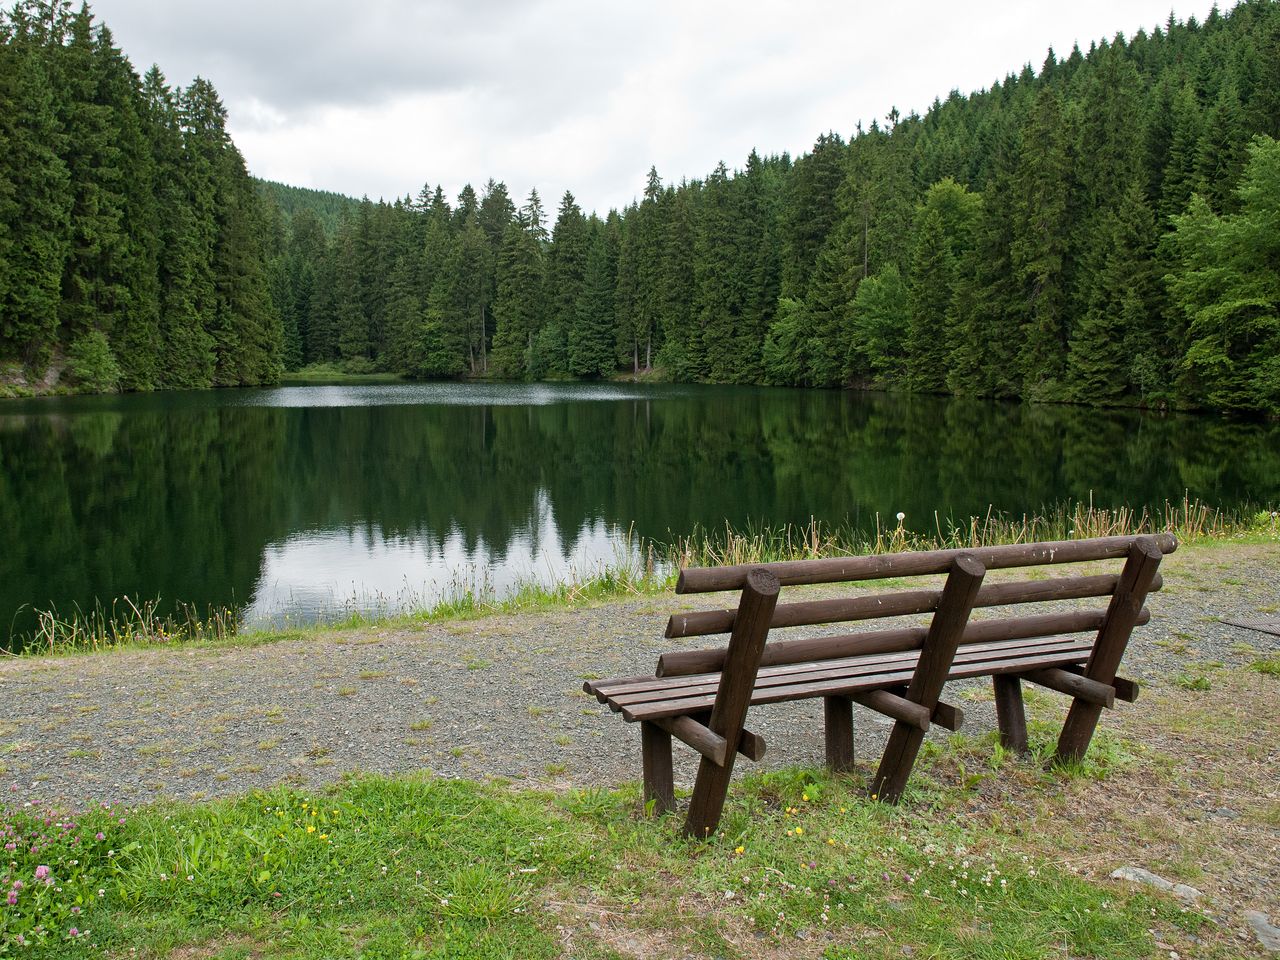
{"x": 837, "y": 569}
{"x": 659, "y": 782}
{"x": 837, "y": 718}
{"x": 821, "y": 683}
{"x": 1126, "y": 690}
{"x": 870, "y": 666}
{"x": 958, "y": 596}
{"x": 690, "y": 732}
{"x": 893, "y": 670}
{"x": 1011, "y": 716}
{"x": 1122, "y": 615}
{"x": 704, "y": 623}
{"x": 895, "y": 706}
{"x": 752, "y": 746}
{"x": 948, "y": 717}
{"x": 695, "y": 734}
{"x": 729, "y": 712}
{"x": 1074, "y": 684}
{"x": 689, "y": 662}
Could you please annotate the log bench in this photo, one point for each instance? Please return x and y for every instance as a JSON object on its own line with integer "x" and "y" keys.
{"x": 701, "y": 696}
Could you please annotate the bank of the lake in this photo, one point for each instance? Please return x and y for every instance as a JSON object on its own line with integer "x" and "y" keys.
{"x": 548, "y": 860}
{"x": 484, "y": 695}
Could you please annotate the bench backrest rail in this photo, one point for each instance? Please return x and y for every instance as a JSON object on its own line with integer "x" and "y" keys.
{"x": 881, "y": 566}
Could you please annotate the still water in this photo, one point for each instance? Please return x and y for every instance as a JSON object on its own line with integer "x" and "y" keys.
{"x": 308, "y": 502}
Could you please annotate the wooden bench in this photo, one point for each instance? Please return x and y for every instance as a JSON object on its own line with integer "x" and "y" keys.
{"x": 701, "y": 697}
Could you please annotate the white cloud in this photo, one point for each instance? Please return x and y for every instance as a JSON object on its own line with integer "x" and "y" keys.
{"x": 378, "y": 98}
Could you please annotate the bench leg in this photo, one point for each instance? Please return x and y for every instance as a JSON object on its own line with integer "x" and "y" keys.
{"x": 837, "y": 713}
{"x": 958, "y": 596}
{"x": 1010, "y": 713}
{"x": 659, "y": 782}
{"x": 1122, "y": 614}
{"x": 733, "y": 697}
{"x": 899, "y": 757}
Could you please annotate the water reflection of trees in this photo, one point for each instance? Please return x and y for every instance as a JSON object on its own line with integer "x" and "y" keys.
{"x": 178, "y": 498}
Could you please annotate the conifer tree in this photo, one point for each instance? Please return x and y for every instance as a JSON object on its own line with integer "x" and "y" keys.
{"x": 1227, "y": 284}
{"x": 567, "y": 265}
{"x": 518, "y": 309}
{"x": 591, "y": 338}
{"x": 35, "y": 206}
{"x": 1039, "y": 246}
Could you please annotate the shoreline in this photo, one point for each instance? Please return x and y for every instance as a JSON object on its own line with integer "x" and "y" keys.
{"x": 496, "y": 694}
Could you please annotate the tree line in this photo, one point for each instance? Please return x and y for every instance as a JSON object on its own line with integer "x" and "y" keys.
{"x": 1099, "y": 231}
{"x": 131, "y": 236}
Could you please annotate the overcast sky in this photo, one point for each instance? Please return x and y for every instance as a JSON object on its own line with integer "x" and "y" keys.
{"x": 379, "y": 96}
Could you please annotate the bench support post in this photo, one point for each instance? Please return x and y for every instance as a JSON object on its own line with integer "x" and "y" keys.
{"x": 659, "y": 781}
{"x": 837, "y": 715}
{"x": 733, "y": 697}
{"x": 1010, "y": 714}
{"x": 1122, "y": 615}
{"x": 954, "y": 607}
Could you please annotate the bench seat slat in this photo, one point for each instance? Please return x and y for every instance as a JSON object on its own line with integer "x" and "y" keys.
{"x": 867, "y": 642}
{"x": 632, "y": 690}
{"x": 834, "y": 677}
{"x": 846, "y": 685}
{"x": 837, "y": 668}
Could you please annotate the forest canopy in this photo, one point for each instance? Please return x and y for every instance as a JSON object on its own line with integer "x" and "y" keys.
{"x": 1101, "y": 230}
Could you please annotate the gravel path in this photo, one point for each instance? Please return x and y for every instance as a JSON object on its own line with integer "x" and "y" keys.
{"x": 495, "y": 697}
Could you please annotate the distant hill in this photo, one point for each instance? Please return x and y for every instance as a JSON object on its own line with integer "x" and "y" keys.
{"x": 331, "y": 208}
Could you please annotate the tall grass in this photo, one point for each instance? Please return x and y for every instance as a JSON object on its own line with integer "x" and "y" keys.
{"x": 646, "y": 566}
{"x": 126, "y": 623}
{"x": 1190, "y": 520}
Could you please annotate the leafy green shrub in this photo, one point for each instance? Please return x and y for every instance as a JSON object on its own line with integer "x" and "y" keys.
{"x": 92, "y": 364}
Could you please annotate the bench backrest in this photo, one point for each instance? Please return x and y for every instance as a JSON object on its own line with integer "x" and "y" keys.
{"x": 910, "y": 602}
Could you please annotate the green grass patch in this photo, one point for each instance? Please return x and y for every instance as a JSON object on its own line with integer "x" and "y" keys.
{"x": 416, "y": 867}
{"x": 1267, "y": 665}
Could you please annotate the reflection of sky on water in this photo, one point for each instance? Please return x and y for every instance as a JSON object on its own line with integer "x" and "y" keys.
{"x": 322, "y": 575}
{"x": 451, "y": 394}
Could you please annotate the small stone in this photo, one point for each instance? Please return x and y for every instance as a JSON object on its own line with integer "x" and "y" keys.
{"x": 1139, "y": 875}
{"x": 802, "y": 934}
{"x": 1268, "y": 935}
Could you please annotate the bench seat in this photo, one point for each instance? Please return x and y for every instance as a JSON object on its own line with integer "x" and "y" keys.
{"x": 652, "y": 698}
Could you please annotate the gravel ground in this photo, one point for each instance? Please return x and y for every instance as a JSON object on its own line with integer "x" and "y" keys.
{"x": 495, "y": 697}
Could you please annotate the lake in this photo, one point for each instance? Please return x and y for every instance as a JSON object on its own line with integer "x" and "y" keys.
{"x": 307, "y": 502}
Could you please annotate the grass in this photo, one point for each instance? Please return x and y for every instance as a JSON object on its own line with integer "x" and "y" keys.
{"x": 323, "y": 373}
{"x": 414, "y": 867}
{"x": 650, "y": 568}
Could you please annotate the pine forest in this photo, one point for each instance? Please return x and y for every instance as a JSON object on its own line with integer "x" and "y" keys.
{"x": 1102, "y": 230}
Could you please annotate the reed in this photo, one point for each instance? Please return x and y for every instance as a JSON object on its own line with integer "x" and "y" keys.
{"x": 126, "y": 623}
{"x": 646, "y": 566}
{"x": 1191, "y": 520}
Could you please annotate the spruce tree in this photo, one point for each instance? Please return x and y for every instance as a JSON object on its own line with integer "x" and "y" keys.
{"x": 591, "y": 335}
{"x": 567, "y": 265}
{"x": 1040, "y": 245}
{"x": 1227, "y": 284}
{"x": 35, "y": 205}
